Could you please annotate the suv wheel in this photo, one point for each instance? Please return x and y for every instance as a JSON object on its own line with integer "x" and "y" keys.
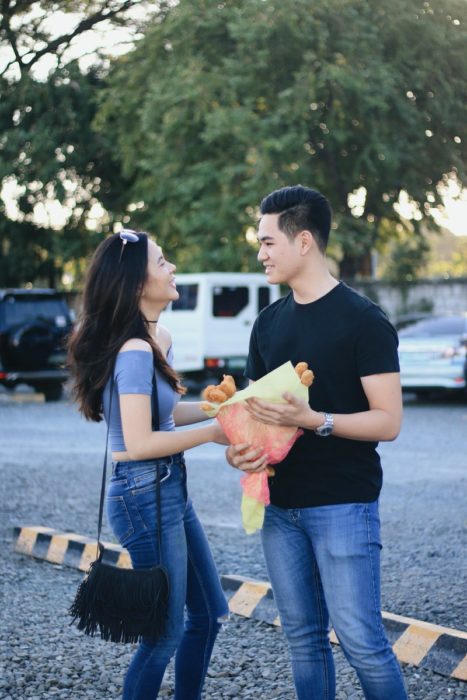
{"x": 52, "y": 390}
{"x": 30, "y": 344}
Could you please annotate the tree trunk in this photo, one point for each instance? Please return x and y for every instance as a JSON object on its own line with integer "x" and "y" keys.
{"x": 353, "y": 266}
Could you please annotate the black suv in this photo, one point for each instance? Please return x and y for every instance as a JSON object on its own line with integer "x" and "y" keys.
{"x": 33, "y": 327}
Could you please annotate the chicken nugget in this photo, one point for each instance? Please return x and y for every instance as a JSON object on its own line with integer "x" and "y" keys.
{"x": 205, "y": 406}
{"x": 206, "y": 391}
{"x": 300, "y": 367}
{"x": 214, "y": 394}
{"x": 228, "y": 386}
{"x": 307, "y": 377}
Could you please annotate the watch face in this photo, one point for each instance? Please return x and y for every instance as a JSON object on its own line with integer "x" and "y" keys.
{"x": 327, "y": 427}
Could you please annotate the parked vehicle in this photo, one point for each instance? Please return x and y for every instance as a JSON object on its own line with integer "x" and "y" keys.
{"x": 33, "y": 326}
{"x": 211, "y": 321}
{"x": 433, "y": 354}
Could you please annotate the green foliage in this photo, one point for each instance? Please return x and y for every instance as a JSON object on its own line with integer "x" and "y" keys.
{"x": 406, "y": 255}
{"x": 49, "y": 148}
{"x": 452, "y": 263}
{"x": 222, "y": 102}
{"x": 27, "y": 35}
{"x": 219, "y": 103}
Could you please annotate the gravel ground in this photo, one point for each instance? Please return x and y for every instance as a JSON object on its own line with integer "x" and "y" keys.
{"x": 50, "y": 465}
{"x": 46, "y": 658}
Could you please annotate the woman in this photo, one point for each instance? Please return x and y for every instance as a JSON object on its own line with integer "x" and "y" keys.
{"x": 129, "y": 283}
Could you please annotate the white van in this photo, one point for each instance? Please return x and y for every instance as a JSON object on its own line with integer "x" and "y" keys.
{"x": 211, "y": 321}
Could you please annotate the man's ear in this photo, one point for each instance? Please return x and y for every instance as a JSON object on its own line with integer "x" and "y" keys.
{"x": 306, "y": 241}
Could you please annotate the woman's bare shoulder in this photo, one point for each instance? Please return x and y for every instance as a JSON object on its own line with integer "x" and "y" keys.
{"x": 136, "y": 344}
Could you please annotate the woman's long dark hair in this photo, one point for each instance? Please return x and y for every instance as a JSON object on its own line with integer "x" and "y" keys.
{"x": 110, "y": 316}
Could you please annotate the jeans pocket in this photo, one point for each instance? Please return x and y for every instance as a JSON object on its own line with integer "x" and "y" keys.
{"x": 146, "y": 480}
{"x": 117, "y": 486}
{"x": 119, "y": 518}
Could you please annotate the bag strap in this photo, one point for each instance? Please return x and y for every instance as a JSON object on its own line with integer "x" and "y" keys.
{"x": 100, "y": 548}
{"x": 155, "y": 426}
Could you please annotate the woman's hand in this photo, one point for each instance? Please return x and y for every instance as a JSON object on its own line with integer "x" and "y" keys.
{"x": 246, "y": 458}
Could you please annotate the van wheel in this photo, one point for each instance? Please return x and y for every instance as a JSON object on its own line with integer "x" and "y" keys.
{"x": 52, "y": 391}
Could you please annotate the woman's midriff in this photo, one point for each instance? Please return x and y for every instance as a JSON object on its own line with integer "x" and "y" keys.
{"x": 121, "y": 457}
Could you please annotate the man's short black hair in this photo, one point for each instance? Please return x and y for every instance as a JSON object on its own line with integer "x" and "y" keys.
{"x": 300, "y": 209}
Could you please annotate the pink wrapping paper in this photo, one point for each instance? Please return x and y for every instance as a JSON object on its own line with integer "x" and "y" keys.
{"x": 276, "y": 442}
{"x": 239, "y": 426}
{"x": 255, "y": 486}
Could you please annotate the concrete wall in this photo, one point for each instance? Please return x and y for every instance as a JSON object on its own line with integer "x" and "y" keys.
{"x": 437, "y": 296}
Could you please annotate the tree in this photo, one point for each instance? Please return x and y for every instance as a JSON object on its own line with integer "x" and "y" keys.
{"x": 406, "y": 254}
{"x": 27, "y": 37}
{"x": 220, "y": 102}
{"x": 49, "y": 152}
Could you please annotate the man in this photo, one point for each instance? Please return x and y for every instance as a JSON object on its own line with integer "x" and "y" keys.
{"x": 321, "y": 534}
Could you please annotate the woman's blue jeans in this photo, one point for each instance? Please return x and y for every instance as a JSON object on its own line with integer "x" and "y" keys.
{"x": 324, "y": 563}
{"x": 193, "y": 579}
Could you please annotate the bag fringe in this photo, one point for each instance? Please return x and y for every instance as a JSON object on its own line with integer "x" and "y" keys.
{"x": 122, "y": 605}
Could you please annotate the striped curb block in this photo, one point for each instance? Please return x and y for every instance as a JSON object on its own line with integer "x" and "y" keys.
{"x": 422, "y": 644}
{"x": 21, "y": 398}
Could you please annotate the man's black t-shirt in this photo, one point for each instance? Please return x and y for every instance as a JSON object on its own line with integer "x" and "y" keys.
{"x": 343, "y": 336}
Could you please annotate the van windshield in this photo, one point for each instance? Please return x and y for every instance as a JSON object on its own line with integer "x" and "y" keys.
{"x": 188, "y": 298}
{"x": 229, "y": 301}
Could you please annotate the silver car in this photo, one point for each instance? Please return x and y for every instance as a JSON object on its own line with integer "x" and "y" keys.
{"x": 433, "y": 354}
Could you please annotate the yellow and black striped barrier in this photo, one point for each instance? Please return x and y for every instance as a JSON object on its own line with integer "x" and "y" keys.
{"x": 422, "y": 644}
{"x": 66, "y": 548}
{"x": 440, "y": 649}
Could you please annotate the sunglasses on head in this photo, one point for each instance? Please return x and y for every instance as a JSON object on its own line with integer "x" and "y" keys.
{"x": 127, "y": 236}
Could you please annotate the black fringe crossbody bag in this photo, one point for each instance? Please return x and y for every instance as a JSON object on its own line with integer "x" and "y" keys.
{"x": 123, "y": 605}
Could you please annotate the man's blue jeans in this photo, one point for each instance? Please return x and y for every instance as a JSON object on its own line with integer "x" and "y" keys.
{"x": 193, "y": 579}
{"x": 324, "y": 563}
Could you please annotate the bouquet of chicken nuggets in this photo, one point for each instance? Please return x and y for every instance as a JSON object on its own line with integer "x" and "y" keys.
{"x": 228, "y": 406}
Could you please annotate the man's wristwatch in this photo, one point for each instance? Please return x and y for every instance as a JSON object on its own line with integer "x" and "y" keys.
{"x": 325, "y": 429}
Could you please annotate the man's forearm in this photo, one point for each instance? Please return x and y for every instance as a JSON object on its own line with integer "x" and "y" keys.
{"x": 372, "y": 425}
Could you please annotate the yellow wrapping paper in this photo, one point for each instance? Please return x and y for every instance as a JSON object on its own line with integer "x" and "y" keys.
{"x": 269, "y": 388}
{"x": 252, "y": 514}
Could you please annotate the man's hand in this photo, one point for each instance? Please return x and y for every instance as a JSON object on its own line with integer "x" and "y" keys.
{"x": 246, "y": 458}
{"x": 295, "y": 413}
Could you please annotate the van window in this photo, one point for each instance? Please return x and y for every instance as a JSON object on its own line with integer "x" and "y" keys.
{"x": 188, "y": 298}
{"x": 264, "y": 297}
{"x": 229, "y": 301}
